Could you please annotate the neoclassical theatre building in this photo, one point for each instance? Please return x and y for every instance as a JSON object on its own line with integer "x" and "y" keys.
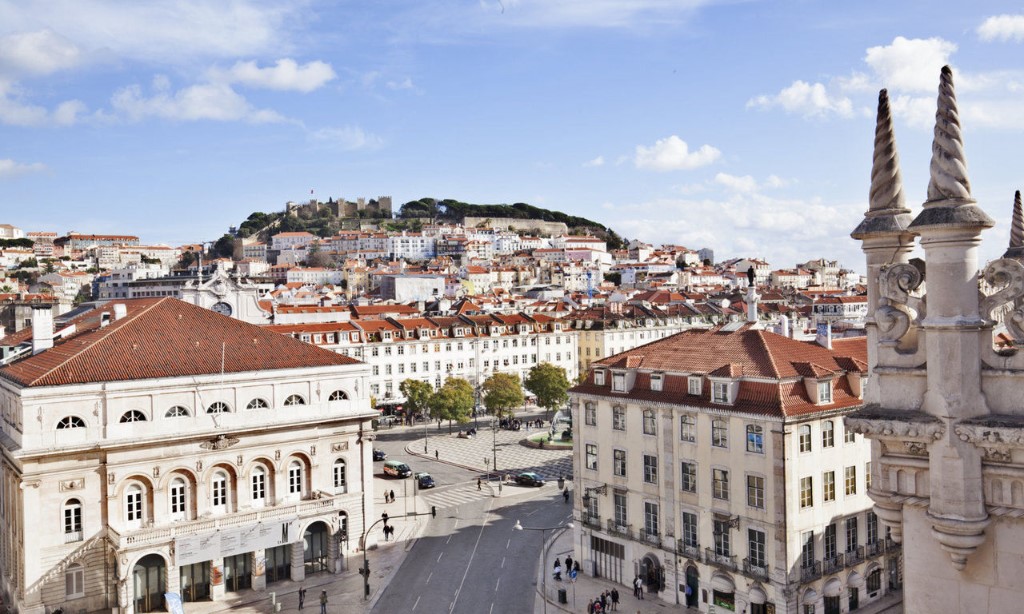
{"x": 152, "y": 446}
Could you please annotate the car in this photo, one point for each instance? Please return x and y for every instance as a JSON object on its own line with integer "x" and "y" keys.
{"x": 424, "y": 480}
{"x": 529, "y": 478}
{"x": 397, "y": 469}
{"x": 379, "y": 455}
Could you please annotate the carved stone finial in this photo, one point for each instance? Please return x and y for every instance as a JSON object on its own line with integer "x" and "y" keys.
{"x": 1016, "y": 249}
{"x": 949, "y": 165}
{"x": 887, "y": 211}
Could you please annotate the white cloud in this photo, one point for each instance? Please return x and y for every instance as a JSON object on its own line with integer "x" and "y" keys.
{"x": 211, "y": 101}
{"x": 37, "y": 53}
{"x": 168, "y": 32}
{"x": 15, "y": 112}
{"x": 404, "y": 84}
{"x": 745, "y": 183}
{"x": 916, "y": 111}
{"x": 589, "y": 13}
{"x": 347, "y": 137}
{"x": 807, "y": 99}
{"x": 598, "y": 161}
{"x": 1002, "y": 28}
{"x": 286, "y": 74}
{"x": 673, "y": 154}
{"x": 9, "y": 168}
{"x": 910, "y": 64}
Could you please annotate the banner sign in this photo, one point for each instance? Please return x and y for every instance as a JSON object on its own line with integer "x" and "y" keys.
{"x": 191, "y": 549}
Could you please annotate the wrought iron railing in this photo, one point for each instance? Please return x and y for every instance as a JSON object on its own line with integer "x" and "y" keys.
{"x": 832, "y": 564}
{"x": 810, "y": 571}
{"x": 687, "y": 550}
{"x": 618, "y": 529}
{"x": 756, "y": 569}
{"x": 721, "y": 560}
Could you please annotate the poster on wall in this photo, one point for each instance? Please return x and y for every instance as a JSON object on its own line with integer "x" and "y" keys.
{"x": 191, "y": 549}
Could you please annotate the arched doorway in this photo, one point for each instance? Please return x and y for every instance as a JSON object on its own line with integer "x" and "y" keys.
{"x": 692, "y": 585}
{"x": 652, "y": 574}
{"x": 149, "y": 579}
{"x": 314, "y": 544}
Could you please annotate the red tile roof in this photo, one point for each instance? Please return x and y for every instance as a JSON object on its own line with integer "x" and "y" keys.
{"x": 163, "y": 337}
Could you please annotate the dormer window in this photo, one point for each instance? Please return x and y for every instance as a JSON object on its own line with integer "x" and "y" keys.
{"x": 825, "y": 392}
{"x": 693, "y": 385}
{"x": 618, "y": 382}
{"x": 599, "y": 377}
{"x": 657, "y": 380}
{"x": 720, "y": 392}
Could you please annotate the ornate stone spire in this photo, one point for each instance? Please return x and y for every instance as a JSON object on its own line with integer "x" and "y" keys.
{"x": 887, "y": 211}
{"x": 1016, "y": 249}
{"x": 949, "y": 191}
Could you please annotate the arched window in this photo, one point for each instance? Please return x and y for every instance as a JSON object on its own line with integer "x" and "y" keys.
{"x": 338, "y": 395}
{"x": 828, "y": 434}
{"x": 133, "y": 416}
{"x": 257, "y": 404}
{"x": 340, "y": 476}
{"x": 71, "y": 422}
{"x": 219, "y": 492}
{"x": 133, "y": 510}
{"x": 295, "y": 479}
{"x": 294, "y": 400}
{"x": 179, "y": 499}
{"x": 74, "y": 581}
{"x": 178, "y": 412}
{"x": 258, "y": 484}
{"x": 218, "y": 407}
{"x": 72, "y": 521}
{"x": 805, "y": 438}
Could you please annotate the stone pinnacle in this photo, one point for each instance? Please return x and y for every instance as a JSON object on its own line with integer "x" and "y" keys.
{"x": 1016, "y": 249}
{"x": 886, "y": 183}
{"x": 948, "y": 166}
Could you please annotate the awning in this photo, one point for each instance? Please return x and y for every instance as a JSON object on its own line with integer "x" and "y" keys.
{"x": 833, "y": 588}
{"x": 758, "y": 596}
{"x": 723, "y": 583}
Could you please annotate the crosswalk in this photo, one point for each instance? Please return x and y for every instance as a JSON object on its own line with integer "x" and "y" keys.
{"x": 451, "y": 496}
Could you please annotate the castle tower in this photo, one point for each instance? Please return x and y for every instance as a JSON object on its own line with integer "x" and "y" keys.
{"x": 943, "y": 408}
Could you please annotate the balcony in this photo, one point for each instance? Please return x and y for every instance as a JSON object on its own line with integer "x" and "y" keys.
{"x": 891, "y": 546}
{"x": 720, "y": 560}
{"x": 832, "y": 564}
{"x": 618, "y": 529}
{"x": 874, "y": 549}
{"x": 687, "y": 550}
{"x": 650, "y": 537}
{"x": 166, "y": 533}
{"x": 73, "y": 536}
{"x": 757, "y": 569}
{"x": 811, "y": 571}
{"x": 854, "y": 556}
{"x": 591, "y": 520}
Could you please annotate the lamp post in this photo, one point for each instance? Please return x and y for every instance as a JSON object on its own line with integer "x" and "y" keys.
{"x": 543, "y": 559}
{"x": 365, "y": 569}
{"x": 425, "y": 435}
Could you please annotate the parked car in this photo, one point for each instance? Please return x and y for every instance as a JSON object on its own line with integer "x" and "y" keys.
{"x": 424, "y": 480}
{"x": 529, "y": 478}
{"x": 379, "y": 455}
{"x": 397, "y": 469}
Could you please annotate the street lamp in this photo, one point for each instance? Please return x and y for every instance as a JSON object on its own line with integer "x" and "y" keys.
{"x": 543, "y": 559}
{"x": 365, "y": 569}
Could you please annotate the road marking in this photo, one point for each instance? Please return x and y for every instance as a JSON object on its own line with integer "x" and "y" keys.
{"x": 439, "y": 557}
{"x": 472, "y": 555}
{"x": 508, "y": 543}
{"x": 533, "y": 512}
{"x": 448, "y": 540}
{"x": 497, "y": 584}
{"x": 503, "y": 562}
{"x": 491, "y": 611}
{"x": 416, "y": 604}
{"x": 429, "y": 577}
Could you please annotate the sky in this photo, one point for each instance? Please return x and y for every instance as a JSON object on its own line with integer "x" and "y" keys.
{"x": 742, "y": 126}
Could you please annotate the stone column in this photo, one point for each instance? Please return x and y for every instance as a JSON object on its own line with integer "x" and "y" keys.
{"x": 298, "y": 565}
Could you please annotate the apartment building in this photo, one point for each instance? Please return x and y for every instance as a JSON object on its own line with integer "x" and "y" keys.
{"x": 714, "y": 464}
{"x": 155, "y": 446}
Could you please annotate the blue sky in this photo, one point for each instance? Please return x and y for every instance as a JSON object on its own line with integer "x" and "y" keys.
{"x": 742, "y": 126}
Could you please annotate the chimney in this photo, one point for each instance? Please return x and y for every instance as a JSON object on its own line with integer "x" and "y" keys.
{"x": 104, "y": 319}
{"x": 120, "y": 310}
{"x": 784, "y": 321}
{"x": 42, "y": 329}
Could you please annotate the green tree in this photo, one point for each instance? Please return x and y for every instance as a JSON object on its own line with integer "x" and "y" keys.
{"x": 84, "y": 294}
{"x": 550, "y": 384}
{"x": 224, "y": 247}
{"x": 502, "y": 393}
{"x": 417, "y": 396}
{"x": 453, "y": 402}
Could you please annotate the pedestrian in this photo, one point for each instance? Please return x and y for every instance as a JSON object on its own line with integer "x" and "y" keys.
{"x": 576, "y": 566}
{"x": 565, "y": 494}
{"x": 640, "y": 586}
{"x": 323, "y": 602}
{"x": 437, "y": 454}
{"x": 636, "y": 587}
{"x": 615, "y": 599}
{"x": 392, "y": 496}
{"x": 479, "y": 484}
{"x": 568, "y": 563}
{"x": 302, "y": 596}
{"x": 558, "y": 571}
{"x": 597, "y": 606}
{"x": 590, "y": 607}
